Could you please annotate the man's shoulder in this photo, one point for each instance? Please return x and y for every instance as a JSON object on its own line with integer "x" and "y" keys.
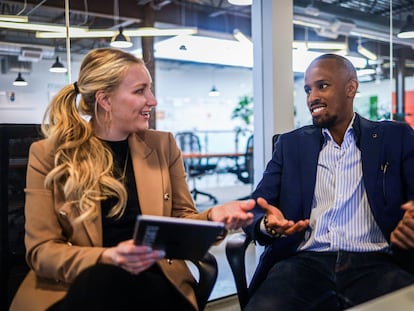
{"x": 304, "y": 130}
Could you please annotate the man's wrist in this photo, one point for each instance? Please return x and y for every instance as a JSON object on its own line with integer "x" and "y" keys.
{"x": 269, "y": 230}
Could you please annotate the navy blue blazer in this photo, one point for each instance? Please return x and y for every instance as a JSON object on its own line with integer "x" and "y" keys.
{"x": 288, "y": 182}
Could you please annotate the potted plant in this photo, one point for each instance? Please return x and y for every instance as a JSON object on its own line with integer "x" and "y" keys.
{"x": 244, "y": 110}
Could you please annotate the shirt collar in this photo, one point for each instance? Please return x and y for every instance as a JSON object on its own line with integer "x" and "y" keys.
{"x": 353, "y": 128}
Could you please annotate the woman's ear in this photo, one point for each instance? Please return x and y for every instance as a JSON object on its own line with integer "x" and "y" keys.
{"x": 102, "y": 99}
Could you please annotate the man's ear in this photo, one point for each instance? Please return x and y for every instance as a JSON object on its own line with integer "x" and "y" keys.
{"x": 102, "y": 98}
{"x": 352, "y": 88}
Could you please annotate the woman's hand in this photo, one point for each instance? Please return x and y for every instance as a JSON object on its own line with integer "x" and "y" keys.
{"x": 277, "y": 221}
{"x": 234, "y": 214}
{"x": 403, "y": 234}
{"x": 131, "y": 257}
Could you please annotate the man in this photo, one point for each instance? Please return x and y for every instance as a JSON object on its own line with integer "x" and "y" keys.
{"x": 335, "y": 206}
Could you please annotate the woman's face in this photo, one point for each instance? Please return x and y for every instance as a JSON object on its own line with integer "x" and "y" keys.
{"x": 131, "y": 103}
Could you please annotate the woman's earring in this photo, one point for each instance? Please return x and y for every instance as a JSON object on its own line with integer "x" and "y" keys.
{"x": 108, "y": 119}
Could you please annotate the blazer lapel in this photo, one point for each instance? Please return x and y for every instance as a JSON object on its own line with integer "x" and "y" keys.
{"x": 148, "y": 176}
{"x": 370, "y": 145}
{"x": 310, "y": 145}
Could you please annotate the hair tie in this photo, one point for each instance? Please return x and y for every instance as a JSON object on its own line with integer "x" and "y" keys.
{"x": 75, "y": 86}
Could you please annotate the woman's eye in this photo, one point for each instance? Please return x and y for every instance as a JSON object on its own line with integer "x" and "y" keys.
{"x": 140, "y": 91}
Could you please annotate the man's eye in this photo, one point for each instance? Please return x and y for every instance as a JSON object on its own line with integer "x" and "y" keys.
{"x": 323, "y": 86}
{"x": 307, "y": 90}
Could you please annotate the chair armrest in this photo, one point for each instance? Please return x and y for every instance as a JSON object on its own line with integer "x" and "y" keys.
{"x": 235, "y": 252}
{"x": 208, "y": 270}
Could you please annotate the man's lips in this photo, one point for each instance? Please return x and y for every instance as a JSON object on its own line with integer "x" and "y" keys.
{"x": 315, "y": 109}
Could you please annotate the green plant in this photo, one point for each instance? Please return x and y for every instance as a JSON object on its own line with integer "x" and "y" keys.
{"x": 244, "y": 110}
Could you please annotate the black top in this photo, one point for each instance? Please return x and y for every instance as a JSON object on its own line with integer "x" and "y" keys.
{"x": 117, "y": 230}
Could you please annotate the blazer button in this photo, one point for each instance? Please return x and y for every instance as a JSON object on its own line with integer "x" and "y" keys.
{"x": 166, "y": 196}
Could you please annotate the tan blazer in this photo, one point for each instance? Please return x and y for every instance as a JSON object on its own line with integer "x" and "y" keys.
{"x": 57, "y": 251}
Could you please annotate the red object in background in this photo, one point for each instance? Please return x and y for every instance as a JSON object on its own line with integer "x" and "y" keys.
{"x": 409, "y": 107}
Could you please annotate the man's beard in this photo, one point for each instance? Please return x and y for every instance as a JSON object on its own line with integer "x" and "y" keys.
{"x": 325, "y": 122}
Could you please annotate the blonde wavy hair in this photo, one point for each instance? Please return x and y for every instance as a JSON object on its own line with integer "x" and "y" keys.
{"x": 83, "y": 164}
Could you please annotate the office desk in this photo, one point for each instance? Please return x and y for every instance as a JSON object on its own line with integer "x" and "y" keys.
{"x": 400, "y": 300}
{"x": 198, "y": 155}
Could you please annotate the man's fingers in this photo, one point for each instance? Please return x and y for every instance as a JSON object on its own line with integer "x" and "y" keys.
{"x": 263, "y": 204}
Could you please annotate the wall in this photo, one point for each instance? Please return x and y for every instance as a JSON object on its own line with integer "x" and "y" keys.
{"x": 181, "y": 90}
{"x": 382, "y": 90}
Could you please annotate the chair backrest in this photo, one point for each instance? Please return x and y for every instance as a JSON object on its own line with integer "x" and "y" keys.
{"x": 236, "y": 247}
{"x": 274, "y": 140}
{"x": 208, "y": 271}
{"x": 248, "y": 160}
{"x": 189, "y": 142}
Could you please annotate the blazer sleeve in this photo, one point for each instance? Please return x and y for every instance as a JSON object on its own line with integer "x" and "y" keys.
{"x": 49, "y": 238}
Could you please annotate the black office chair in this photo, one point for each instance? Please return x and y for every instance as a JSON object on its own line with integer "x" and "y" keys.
{"x": 195, "y": 167}
{"x": 244, "y": 170}
{"x": 208, "y": 270}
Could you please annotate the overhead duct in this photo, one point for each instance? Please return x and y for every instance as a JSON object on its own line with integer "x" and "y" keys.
{"x": 30, "y": 54}
{"x": 321, "y": 26}
{"x": 27, "y": 52}
{"x": 12, "y": 64}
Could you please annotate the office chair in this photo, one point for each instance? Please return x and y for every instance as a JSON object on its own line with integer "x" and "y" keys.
{"x": 244, "y": 170}
{"x": 15, "y": 141}
{"x": 208, "y": 270}
{"x": 195, "y": 167}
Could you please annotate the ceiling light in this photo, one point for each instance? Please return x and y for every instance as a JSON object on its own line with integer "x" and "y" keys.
{"x": 120, "y": 40}
{"x": 14, "y": 18}
{"x": 319, "y": 45}
{"x": 365, "y": 52}
{"x": 241, "y": 37}
{"x": 407, "y": 31}
{"x": 38, "y": 27}
{"x": 365, "y": 72}
{"x": 312, "y": 11}
{"x": 19, "y": 80}
{"x": 241, "y": 2}
{"x": 139, "y": 32}
{"x": 214, "y": 92}
{"x": 58, "y": 67}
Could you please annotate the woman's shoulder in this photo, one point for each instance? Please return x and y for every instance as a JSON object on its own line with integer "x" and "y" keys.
{"x": 154, "y": 135}
{"x": 42, "y": 153}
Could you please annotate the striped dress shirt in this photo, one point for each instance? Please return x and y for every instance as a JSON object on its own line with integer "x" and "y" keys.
{"x": 341, "y": 217}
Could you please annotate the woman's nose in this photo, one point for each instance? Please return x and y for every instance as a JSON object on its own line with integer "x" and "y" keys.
{"x": 152, "y": 101}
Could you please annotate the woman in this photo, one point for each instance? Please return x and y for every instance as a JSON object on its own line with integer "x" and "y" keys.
{"x": 98, "y": 168}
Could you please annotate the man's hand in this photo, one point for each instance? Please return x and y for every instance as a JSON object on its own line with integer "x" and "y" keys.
{"x": 277, "y": 221}
{"x": 403, "y": 234}
{"x": 233, "y": 214}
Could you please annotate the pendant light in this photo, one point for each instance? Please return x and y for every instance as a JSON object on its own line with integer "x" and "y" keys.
{"x": 120, "y": 40}
{"x": 407, "y": 31}
{"x": 241, "y": 2}
{"x": 19, "y": 80}
{"x": 58, "y": 67}
{"x": 214, "y": 92}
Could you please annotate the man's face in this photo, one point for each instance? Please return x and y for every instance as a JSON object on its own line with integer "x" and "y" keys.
{"x": 329, "y": 92}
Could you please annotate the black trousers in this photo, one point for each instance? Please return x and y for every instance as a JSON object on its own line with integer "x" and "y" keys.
{"x": 107, "y": 287}
{"x": 328, "y": 281}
